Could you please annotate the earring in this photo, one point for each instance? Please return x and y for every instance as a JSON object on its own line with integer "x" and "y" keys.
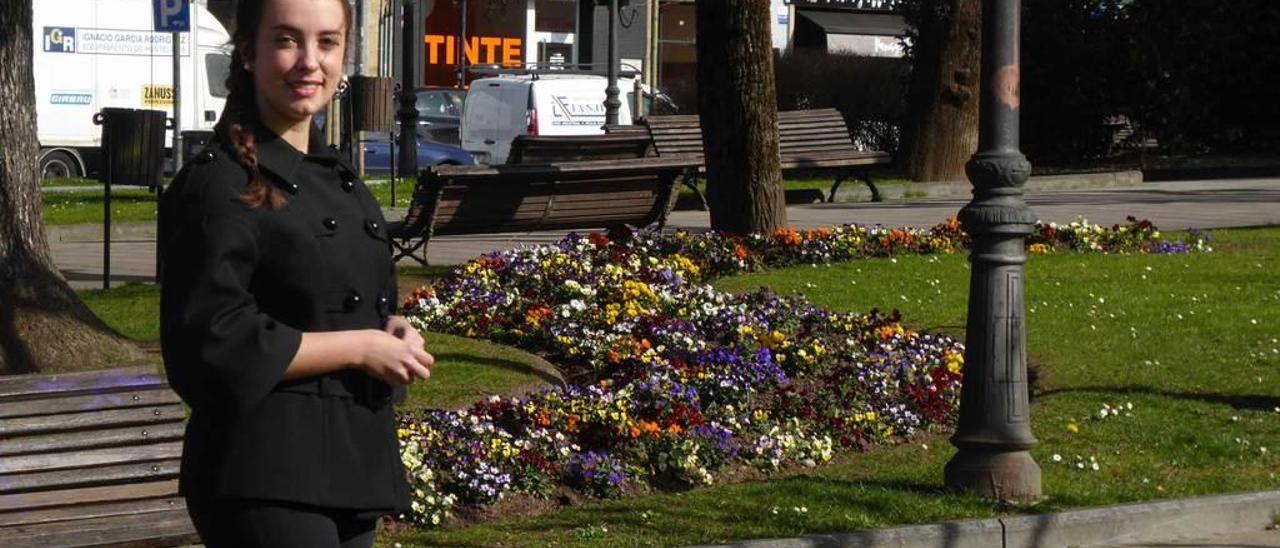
{"x": 343, "y": 84}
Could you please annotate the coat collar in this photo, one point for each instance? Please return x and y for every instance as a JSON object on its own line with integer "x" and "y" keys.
{"x": 280, "y": 158}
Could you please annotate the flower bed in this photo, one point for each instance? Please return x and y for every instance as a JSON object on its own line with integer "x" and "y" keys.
{"x": 672, "y": 381}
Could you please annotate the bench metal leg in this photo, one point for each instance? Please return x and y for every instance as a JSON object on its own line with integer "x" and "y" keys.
{"x": 691, "y": 182}
{"x": 407, "y": 250}
{"x": 871, "y": 185}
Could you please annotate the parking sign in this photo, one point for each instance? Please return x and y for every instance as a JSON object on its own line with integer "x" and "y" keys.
{"x": 172, "y": 15}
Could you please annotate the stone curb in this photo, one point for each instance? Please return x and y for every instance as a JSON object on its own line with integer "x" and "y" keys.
{"x": 1125, "y": 523}
{"x": 857, "y": 191}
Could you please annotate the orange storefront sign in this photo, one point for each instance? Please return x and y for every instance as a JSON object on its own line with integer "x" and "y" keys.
{"x": 480, "y": 50}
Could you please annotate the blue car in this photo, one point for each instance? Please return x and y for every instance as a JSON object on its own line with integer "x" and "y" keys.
{"x": 378, "y": 158}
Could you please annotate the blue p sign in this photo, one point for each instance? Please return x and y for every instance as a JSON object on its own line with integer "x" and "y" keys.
{"x": 172, "y": 15}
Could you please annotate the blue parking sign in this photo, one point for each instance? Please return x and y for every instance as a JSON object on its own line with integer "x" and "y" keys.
{"x": 172, "y": 15}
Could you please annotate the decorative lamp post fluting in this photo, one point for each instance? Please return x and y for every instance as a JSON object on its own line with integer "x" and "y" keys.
{"x": 407, "y": 112}
{"x": 994, "y": 433}
{"x": 611, "y": 101}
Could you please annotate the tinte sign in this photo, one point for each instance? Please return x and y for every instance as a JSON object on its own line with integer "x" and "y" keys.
{"x": 495, "y": 35}
{"x": 480, "y": 50}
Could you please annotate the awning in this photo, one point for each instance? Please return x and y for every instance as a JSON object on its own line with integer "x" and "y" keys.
{"x": 849, "y": 22}
{"x": 858, "y": 33}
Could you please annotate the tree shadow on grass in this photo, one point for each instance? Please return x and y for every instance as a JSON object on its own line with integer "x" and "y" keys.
{"x": 541, "y": 369}
{"x": 1253, "y": 402}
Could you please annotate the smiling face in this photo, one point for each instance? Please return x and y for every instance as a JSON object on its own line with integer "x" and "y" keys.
{"x": 297, "y": 58}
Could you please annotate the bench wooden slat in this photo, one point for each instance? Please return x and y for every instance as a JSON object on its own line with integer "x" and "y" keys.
{"x": 92, "y": 476}
{"x": 89, "y": 457}
{"x": 87, "y": 511}
{"x": 87, "y": 439}
{"x": 539, "y": 209}
{"x": 87, "y": 495}
{"x": 586, "y": 169}
{"x": 64, "y": 422}
{"x": 153, "y": 529}
{"x": 142, "y": 397}
{"x": 20, "y": 387}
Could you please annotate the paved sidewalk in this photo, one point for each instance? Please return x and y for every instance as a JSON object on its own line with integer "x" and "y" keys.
{"x": 1173, "y": 205}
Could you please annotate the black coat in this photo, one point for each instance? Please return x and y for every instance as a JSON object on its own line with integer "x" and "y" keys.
{"x": 239, "y": 287}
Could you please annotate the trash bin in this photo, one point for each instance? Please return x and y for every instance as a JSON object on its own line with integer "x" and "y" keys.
{"x": 132, "y": 146}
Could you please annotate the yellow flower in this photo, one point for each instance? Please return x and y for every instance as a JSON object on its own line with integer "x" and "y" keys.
{"x": 1073, "y": 428}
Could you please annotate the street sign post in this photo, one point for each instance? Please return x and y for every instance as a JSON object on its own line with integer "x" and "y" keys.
{"x": 174, "y": 16}
{"x": 171, "y": 15}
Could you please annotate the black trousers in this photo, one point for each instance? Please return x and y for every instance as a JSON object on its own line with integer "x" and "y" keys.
{"x": 241, "y": 523}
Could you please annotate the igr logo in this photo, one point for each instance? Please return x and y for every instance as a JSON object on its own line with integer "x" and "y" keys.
{"x": 60, "y": 39}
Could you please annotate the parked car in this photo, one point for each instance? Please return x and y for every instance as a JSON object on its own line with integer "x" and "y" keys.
{"x": 380, "y": 160}
{"x": 439, "y": 113}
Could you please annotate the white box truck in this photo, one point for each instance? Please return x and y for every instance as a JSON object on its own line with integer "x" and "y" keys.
{"x": 93, "y": 54}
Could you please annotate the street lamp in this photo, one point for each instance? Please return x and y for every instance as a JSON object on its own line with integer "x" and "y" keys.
{"x": 994, "y": 433}
{"x": 611, "y": 101}
{"x": 407, "y": 99}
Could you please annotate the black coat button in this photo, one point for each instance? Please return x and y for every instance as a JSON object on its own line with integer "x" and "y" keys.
{"x": 352, "y": 301}
{"x": 348, "y": 186}
{"x": 205, "y": 156}
{"x": 291, "y": 187}
{"x": 384, "y": 304}
{"x": 372, "y": 227}
{"x": 330, "y": 223}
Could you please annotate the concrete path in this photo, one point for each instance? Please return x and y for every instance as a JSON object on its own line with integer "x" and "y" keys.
{"x": 1173, "y": 205}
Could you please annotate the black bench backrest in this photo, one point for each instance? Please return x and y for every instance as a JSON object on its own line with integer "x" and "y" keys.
{"x": 528, "y": 149}
{"x": 512, "y": 198}
{"x": 801, "y": 133}
{"x": 91, "y": 458}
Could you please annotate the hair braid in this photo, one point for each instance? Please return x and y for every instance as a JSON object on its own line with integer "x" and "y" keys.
{"x": 241, "y": 111}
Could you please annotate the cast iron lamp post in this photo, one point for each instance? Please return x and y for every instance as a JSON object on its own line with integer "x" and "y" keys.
{"x": 611, "y": 101}
{"x": 407, "y": 99}
{"x": 994, "y": 433}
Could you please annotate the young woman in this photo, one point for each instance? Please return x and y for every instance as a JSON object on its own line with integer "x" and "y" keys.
{"x": 277, "y": 305}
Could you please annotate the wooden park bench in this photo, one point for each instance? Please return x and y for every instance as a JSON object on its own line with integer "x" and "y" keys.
{"x": 91, "y": 459}
{"x": 483, "y": 199}
{"x": 808, "y": 140}
{"x": 530, "y": 149}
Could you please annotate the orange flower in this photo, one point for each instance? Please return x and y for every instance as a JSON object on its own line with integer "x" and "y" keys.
{"x": 740, "y": 252}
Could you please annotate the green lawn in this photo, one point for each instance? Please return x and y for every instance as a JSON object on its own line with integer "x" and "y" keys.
{"x": 1175, "y": 336}
{"x": 465, "y": 370}
{"x": 1190, "y": 341}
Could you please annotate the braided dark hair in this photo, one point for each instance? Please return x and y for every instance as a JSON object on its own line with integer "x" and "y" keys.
{"x": 240, "y": 115}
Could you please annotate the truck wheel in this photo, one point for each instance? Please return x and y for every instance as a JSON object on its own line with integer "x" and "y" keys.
{"x": 59, "y": 165}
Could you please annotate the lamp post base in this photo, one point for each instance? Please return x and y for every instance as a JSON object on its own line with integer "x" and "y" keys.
{"x": 1009, "y": 476}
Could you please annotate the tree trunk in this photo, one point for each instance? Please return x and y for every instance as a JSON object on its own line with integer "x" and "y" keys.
{"x": 941, "y": 132}
{"x": 738, "y": 108}
{"x": 43, "y": 324}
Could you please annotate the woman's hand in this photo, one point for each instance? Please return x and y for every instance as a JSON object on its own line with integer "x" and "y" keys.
{"x": 402, "y": 329}
{"x": 396, "y": 360}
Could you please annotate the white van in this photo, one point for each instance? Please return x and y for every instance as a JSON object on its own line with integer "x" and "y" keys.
{"x": 499, "y": 108}
{"x": 91, "y": 54}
